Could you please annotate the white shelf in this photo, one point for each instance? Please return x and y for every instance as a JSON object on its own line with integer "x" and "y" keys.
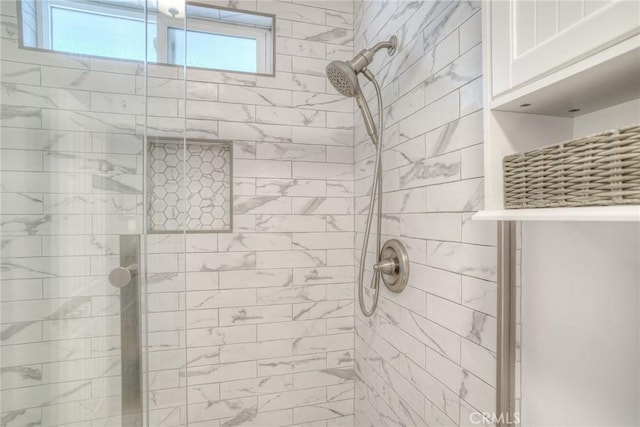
{"x": 594, "y": 213}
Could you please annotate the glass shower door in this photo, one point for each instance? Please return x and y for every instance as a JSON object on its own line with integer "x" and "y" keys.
{"x": 72, "y": 183}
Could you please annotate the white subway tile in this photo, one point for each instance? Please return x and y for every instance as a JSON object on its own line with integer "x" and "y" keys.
{"x": 254, "y": 315}
{"x": 207, "y": 337}
{"x": 434, "y": 336}
{"x": 333, "y": 171}
{"x": 262, "y": 386}
{"x": 267, "y": 296}
{"x": 322, "y": 275}
{"x": 433, "y": 226}
{"x": 430, "y": 117}
{"x": 264, "y": 277}
{"x": 44, "y": 97}
{"x": 43, "y": 352}
{"x": 339, "y": 19}
{"x": 479, "y": 361}
{"x": 289, "y": 187}
{"x": 323, "y": 309}
{"x": 21, "y": 73}
{"x": 465, "y": 132}
{"x": 475, "y": 326}
{"x": 292, "y": 399}
{"x": 480, "y": 295}
{"x": 293, "y": 329}
{"x": 323, "y": 136}
{"x": 335, "y": 240}
{"x": 296, "y": 47}
{"x": 220, "y": 409}
{"x": 262, "y": 168}
{"x": 253, "y": 242}
{"x": 471, "y": 97}
{"x": 471, "y": 32}
{"x": 23, "y": 117}
{"x": 254, "y": 351}
{"x": 478, "y": 232}
{"x": 88, "y": 80}
{"x": 88, "y": 121}
{"x": 208, "y": 110}
{"x": 222, "y": 372}
{"x": 254, "y": 95}
{"x": 16, "y": 399}
{"x": 223, "y": 298}
{"x": 291, "y": 223}
{"x": 287, "y": 365}
{"x": 329, "y": 376}
{"x": 460, "y": 196}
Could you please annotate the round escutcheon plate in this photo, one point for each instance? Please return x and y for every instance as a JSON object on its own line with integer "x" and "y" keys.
{"x": 397, "y": 280}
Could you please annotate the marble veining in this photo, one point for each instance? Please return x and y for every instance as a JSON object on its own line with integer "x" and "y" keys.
{"x": 423, "y": 171}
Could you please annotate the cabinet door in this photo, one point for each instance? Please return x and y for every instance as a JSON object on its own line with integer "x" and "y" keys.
{"x": 532, "y": 38}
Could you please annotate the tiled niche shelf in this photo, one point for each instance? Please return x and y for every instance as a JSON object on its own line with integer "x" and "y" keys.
{"x": 202, "y": 180}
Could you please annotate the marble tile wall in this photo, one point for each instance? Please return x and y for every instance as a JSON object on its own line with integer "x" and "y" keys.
{"x": 427, "y": 357}
{"x": 253, "y": 327}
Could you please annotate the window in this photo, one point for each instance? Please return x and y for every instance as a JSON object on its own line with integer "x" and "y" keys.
{"x": 102, "y": 34}
{"x": 215, "y": 38}
{"x": 208, "y": 50}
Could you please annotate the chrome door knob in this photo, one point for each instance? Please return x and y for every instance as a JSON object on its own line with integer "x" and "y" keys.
{"x": 121, "y": 276}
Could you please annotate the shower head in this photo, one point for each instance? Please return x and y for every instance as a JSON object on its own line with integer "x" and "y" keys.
{"x": 343, "y": 76}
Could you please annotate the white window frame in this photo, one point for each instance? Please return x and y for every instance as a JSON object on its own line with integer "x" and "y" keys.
{"x": 44, "y": 17}
{"x": 263, "y": 36}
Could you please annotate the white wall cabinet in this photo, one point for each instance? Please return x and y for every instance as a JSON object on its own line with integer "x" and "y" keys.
{"x": 532, "y": 38}
{"x": 548, "y": 65}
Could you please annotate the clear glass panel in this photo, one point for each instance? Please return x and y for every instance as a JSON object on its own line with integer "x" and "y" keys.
{"x": 208, "y": 50}
{"x": 71, "y": 143}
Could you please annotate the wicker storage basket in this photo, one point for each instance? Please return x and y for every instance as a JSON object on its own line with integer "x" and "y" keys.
{"x": 598, "y": 170}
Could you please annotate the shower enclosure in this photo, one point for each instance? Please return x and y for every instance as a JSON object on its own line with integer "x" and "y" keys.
{"x": 209, "y": 161}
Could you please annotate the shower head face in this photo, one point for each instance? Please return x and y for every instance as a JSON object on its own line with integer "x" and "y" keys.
{"x": 343, "y": 78}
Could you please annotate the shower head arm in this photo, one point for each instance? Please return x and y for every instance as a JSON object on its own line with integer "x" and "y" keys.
{"x": 390, "y": 45}
{"x": 365, "y": 57}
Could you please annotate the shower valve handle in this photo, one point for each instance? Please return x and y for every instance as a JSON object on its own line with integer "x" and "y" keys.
{"x": 386, "y": 266}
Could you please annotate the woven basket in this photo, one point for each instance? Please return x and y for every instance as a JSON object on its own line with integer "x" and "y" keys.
{"x": 598, "y": 170}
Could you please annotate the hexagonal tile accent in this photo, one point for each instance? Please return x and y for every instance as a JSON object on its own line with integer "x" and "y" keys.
{"x": 199, "y": 174}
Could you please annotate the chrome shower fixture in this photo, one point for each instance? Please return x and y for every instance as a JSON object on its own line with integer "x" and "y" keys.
{"x": 343, "y": 76}
{"x": 392, "y": 263}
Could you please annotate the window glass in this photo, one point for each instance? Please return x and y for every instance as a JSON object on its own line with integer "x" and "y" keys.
{"x": 208, "y": 50}
{"x": 101, "y": 35}
{"x": 217, "y": 38}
